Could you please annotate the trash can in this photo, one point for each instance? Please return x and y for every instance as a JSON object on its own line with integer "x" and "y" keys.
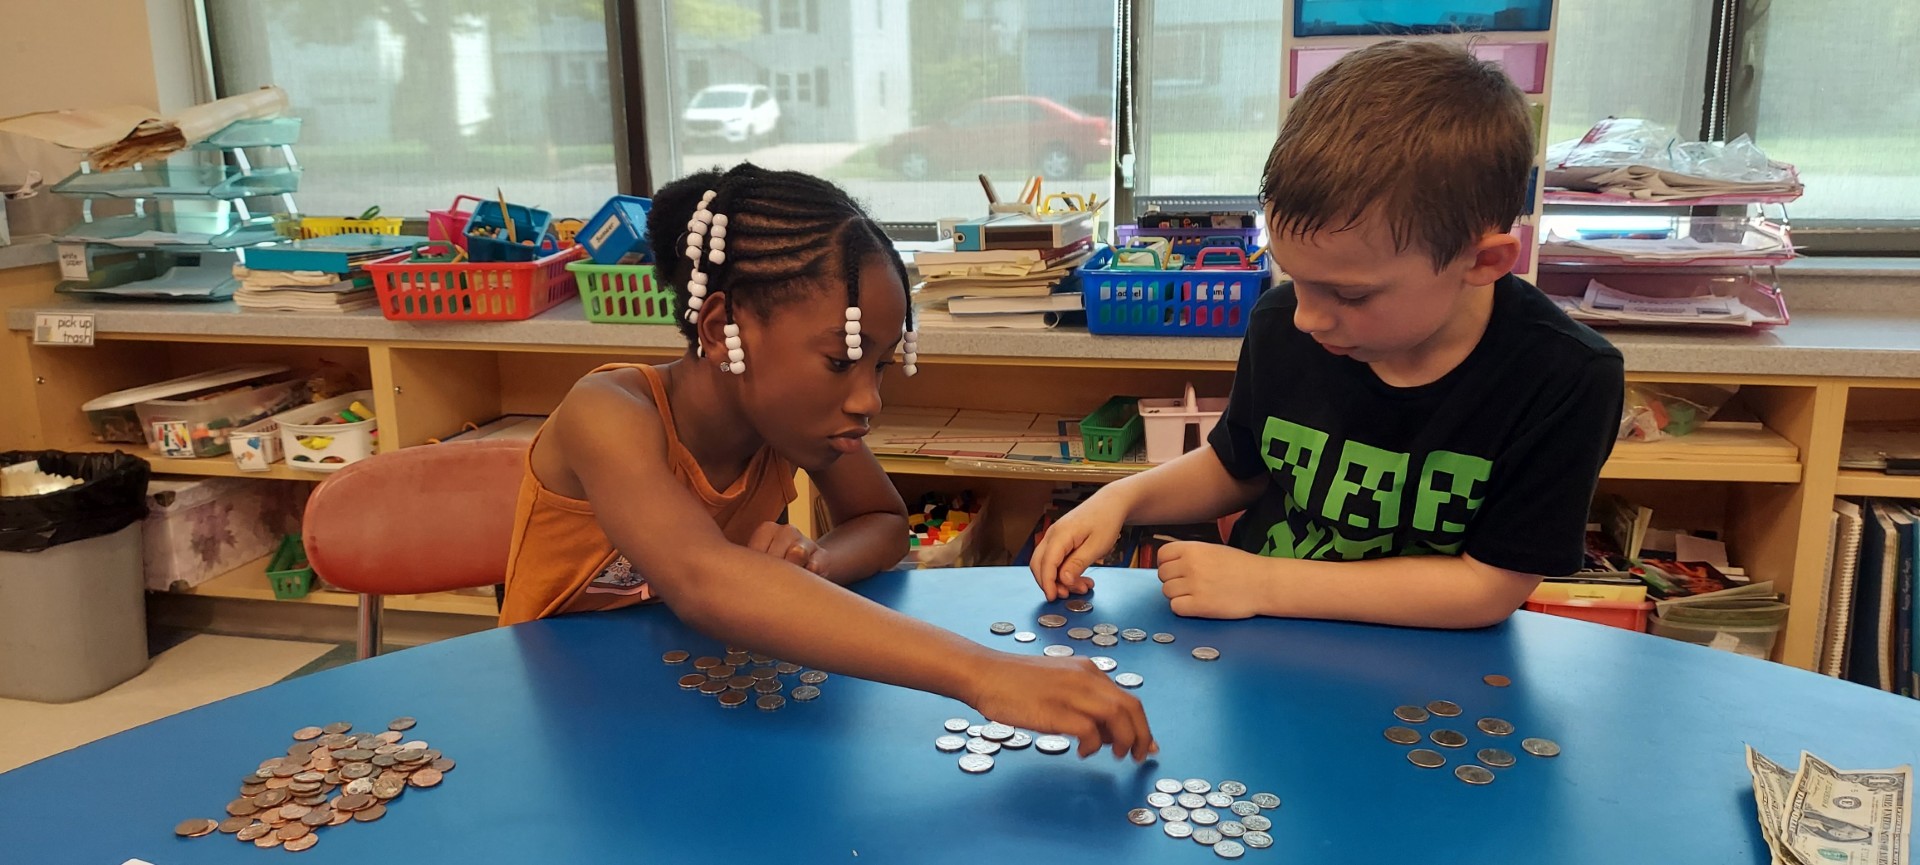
{"x": 73, "y": 618}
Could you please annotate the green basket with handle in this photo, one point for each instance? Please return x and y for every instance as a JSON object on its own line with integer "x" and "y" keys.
{"x": 624, "y": 294}
{"x": 1112, "y": 430}
{"x": 288, "y": 572}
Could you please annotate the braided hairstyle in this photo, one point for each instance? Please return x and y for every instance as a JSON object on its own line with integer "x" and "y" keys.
{"x": 785, "y": 234}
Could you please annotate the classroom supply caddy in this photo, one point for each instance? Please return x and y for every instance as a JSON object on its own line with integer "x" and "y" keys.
{"x": 1212, "y": 298}
{"x": 1112, "y": 430}
{"x": 428, "y": 290}
{"x": 517, "y": 233}
{"x": 1167, "y": 421}
{"x": 315, "y": 439}
{"x": 624, "y": 294}
{"x": 618, "y": 233}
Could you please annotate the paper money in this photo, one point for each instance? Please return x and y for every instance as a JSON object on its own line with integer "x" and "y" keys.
{"x": 1847, "y": 818}
{"x": 1772, "y": 784}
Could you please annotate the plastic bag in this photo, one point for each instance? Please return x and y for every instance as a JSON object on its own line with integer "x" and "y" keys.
{"x": 1617, "y": 141}
{"x": 1668, "y": 409}
{"x": 112, "y": 495}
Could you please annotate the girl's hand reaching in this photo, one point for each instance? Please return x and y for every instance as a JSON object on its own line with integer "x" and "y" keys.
{"x": 786, "y": 542}
{"x": 1068, "y": 696}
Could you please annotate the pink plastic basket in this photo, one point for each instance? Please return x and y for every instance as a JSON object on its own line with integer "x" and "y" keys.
{"x": 450, "y": 225}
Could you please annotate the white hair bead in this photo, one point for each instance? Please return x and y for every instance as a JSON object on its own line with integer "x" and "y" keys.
{"x": 693, "y": 225}
{"x": 853, "y": 352}
{"x": 695, "y": 301}
{"x": 719, "y": 220}
{"x": 717, "y": 243}
{"x": 853, "y": 313}
{"x": 703, "y": 216}
{"x": 853, "y": 328}
{"x": 731, "y": 329}
{"x": 697, "y": 278}
{"x": 720, "y": 230}
{"x": 853, "y": 340}
{"x": 693, "y": 252}
{"x": 733, "y": 342}
{"x": 910, "y": 368}
{"x": 736, "y": 355}
{"x": 716, "y": 256}
{"x": 707, "y": 196}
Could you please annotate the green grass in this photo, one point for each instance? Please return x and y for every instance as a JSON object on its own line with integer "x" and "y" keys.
{"x": 1229, "y": 154}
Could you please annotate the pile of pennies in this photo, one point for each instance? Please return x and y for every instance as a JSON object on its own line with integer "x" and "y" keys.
{"x": 329, "y": 777}
{"x": 1489, "y": 758}
{"x": 1221, "y": 817}
{"x": 742, "y": 675}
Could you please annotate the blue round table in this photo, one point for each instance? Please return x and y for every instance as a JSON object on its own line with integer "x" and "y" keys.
{"x": 575, "y": 745}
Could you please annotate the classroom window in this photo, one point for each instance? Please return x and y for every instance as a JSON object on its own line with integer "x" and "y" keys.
{"x": 1210, "y": 107}
{"x": 1609, "y": 63}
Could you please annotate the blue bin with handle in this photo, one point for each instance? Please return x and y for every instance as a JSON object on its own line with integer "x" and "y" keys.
{"x": 618, "y": 233}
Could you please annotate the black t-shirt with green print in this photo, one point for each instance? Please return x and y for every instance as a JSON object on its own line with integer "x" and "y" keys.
{"x": 1497, "y": 459}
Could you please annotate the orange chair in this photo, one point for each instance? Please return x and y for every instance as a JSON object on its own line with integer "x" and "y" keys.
{"x": 422, "y": 519}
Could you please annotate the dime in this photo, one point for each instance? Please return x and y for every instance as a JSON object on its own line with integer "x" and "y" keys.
{"x": 1444, "y": 708}
{"x": 1232, "y": 788}
{"x": 196, "y": 827}
{"x": 1159, "y": 800}
{"x": 1167, "y": 785}
{"x": 1426, "y": 759}
{"x": 812, "y": 677}
{"x": 1231, "y": 829}
{"x": 974, "y": 731}
{"x": 956, "y": 725}
{"x": 1196, "y": 785}
{"x": 1133, "y": 635}
{"x": 1053, "y": 620}
{"x": 806, "y": 693}
{"x": 1244, "y": 808}
{"x": 983, "y": 746}
{"x": 770, "y": 702}
{"x": 1495, "y": 727}
{"x": 1057, "y": 651}
{"x": 1129, "y": 680}
{"x": 1206, "y": 653}
{"x": 974, "y": 764}
{"x": 1163, "y": 637}
{"x": 1475, "y": 775}
{"x": 1177, "y": 830}
{"x": 1079, "y": 605}
{"x": 1079, "y": 633}
{"x": 1174, "y": 814}
{"x": 1219, "y": 799}
{"x": 1141, "y": 817}
{"x": 997, "y": 732}
{"x": 1229, "y": 849}
{"x": 1411, "y": 714}
{"x": 1448, "y": 738}
{"x": 1206, "y": 836}
{"x": 1052, "y": 744}
{"x": 1106, "y": 629}
{"x": 1540, "y": 747}
{"x": 1025, "y": 637}
{"x": 1206, "y": 816}
{"x": 1021, "y": 739}
{"x": 1105, "y": 641}
{"x": 1267, "y": 801}
{"x": 1256, "y": 823}
{"x": 950, "y": 743}
{"x": 1495, "y": 757}
{"x": 1257, "y": 839}
{"x": 1104, "y": 663}
{"x": 1001, "y": 628}
{"x": 1402, "y": 735}
{"x": 1496, "y": 680}
{"x": 1191, "y": 800}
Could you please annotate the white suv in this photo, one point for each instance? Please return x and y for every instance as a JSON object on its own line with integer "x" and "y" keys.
{"x": 734, "y": 113}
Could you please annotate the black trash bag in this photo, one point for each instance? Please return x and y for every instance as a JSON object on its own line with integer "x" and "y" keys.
{"x": 112, "y": 495}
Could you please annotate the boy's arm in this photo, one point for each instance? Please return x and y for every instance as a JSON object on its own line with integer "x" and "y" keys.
{"x": 1218, "y": 582}
{"x": 869, "y": 520}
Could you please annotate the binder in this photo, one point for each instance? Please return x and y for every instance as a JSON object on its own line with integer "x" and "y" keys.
{"x": 1846, "y": 567}
{"x": 1870, "y": 649}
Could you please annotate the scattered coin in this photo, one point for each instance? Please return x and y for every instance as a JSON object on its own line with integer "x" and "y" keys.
{"x": 1232, "y": 828}
{"x": 996, "y": 732}
{"x": 1495, "y": 757}
{"x": 950, "y": 743}
{"x": 252, "y": 831}
{"x": 1002, "y": 628}
{"x": 1052, "y": 744}
{"x": 307, "y": 733}
{"x": 763, "y": 659}
{"x": 1206, "y": 816}
{"x": 812, "y": 677}
{"x": 1105, "y": 641}
{"x": 1178, "y": 830}
{"x": 1106, "y": 629}
{"x": 1206, "y": 653}
{"x": 1196, "y": 785}
{"x": 1133, "y": 635}
{"x": 1057, "y": 651}
{"x": 405, "y": 723}
{"x": 1104, "y": 664}
{"x": 1257, "y": 839}
{"x": 1053, "y": 620}
{"x": 293, "y": 830}
{"x": 196, "y": 827}
{"x": 1402, "y": 735}
{"x": 1267, "y": 801}
{"x": 983, "y": 746}
{"x": 712, "y": 687}
{"x": 1174, "y": 814}
{"x": 1159, "y": 800}
{"x": 1448, "y": 738}
{"x": 974, "y": 764}
{"x": 764, "y": 674}
{"x": 1129, "y": 680}
{"x": 1444, "y": 708}
{"x": 1079, "y": 633}
{"x": 706, "y": 662}
{"x": 234, "y": 824}
{"x": 733, "y": 699}
{"x": 1163, "y": 637}
{"x": 1256, "y": 823}
{"x": 1540, "y": 747}
{"x": 1229, "y": 849}
{"x": 304, "y": 842}
{"x": 1426, "y": 759}
{"x": 1475, "y": 775}
{"x": 770, "y": 702}
{"x": 1141, "y": 817}
{"x": 742, "y": 683}
{"x": 770, "y": 686}
{"x": 1232, "y": 788}
{"x": 338, "y": 727}
{"x": 1190, "y": 800}
{"x": 370, "y": 813}
{"x": 723, "y": 671}
{"x": 1168, "y": 785}
{"x": 786, "y": 668}
{"x": 267, "y": 841}
{"x": 1495, "y": 727}
{"x": 1243, "y": 808}
{"x": 1025, "y": 637}
{"x": 1206, "y": 836}
{"x": 1411, "y": 714}
{"x": 1496, "y": 680}
{"x": 1021, "y": 739}
{"x": 1219, "y": 799}
{"x": 806, "y": 693}
{"x": 956, "y": 725}
{"x": 1079, "y": 605}
{"x": 317, "y": 817}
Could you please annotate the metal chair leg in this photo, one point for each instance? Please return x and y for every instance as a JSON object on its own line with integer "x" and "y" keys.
{"x": 367, "y": 642}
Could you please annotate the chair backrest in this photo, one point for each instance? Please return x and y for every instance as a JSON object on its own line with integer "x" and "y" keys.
{"x": 421, "y": 519}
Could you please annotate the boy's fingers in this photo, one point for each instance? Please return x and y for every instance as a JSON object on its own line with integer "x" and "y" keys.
{"x": 1044, "y": 567}
{"x": 1173, "y": 551}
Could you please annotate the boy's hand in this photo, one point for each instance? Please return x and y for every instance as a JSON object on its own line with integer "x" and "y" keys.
{"x": 1073, "y": 544}
{"x": 1211, "y": 581}
{"x": 1068, "y": 696}
{"x": 786, "y": 542}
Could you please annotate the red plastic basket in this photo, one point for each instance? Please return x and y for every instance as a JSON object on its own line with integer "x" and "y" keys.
{"x": 464, "y": 291}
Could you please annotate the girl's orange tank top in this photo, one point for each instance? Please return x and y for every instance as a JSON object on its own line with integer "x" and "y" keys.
{"x": 561, "y": 560}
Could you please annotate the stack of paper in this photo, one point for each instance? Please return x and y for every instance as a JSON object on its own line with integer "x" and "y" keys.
{"x": 1018, "y": 288}
{"x": 302, "y": 290}
{"x": 1605, "y": 304}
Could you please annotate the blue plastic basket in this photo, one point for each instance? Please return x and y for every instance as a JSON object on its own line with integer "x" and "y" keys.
{"x": 1134, "y": 300}
{"x": 529, "y": 223}
{"x": 1189, "y": 241}
{"x": 618, "y": 233}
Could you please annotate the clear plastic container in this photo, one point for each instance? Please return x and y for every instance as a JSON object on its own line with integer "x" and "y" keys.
{"x": 315, "y": 440}
{"x": 116, "y": 421}
{"x": 197, "y": 424}
{"x": 1754, "y": 641}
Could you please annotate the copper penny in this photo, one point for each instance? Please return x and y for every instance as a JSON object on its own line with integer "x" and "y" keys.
{"x": 273, "y": 818}
{"x": 787, "y": 668}
{"x": 370, "y": 814}
{"x": 384, "y": 760}
{"x": 272, "y": 798}
{"x": 302, "y": 843}
{"x": 741, "y": 683}
{"x": 234, "y": 824}
{"x": 315, "y": 800}
{"x": 195, "y": 828}
{"x": 340, "y": 817}
{"x": 292, "y": 831}
{"x": 305, "y": 734}
{"x": 443, "y": 765}
{"x": 278, "y": 783}
{"x": 676, "y": 656}
{"x": 294, "y": 810}
{"x": 270, "y": 839}
{"x": 355, "y": 771}
{"x": 388, "y": 788}
{"x": 389, "y": 737}
{"x": 770, "y": 686}
{"x": 691, "y": 681}
{"x": 337, "y": 727}
{"x": 765, "y": 673}
{"x": 713, "y": 686}
{"x": 705, "y": 662}
{"x": 1496, "y": 680}
{"x": 386, "y": 749}
{"x": 252, "y": 831}
{"x": 352, "y": 802}
{"x": 302, "y": 750}
{"x": 401, "y": 723}
{"x": 724, "y": 671}
{"x": 733, "y": 699}
{"x": 252, "y": 789}
{"x": 317, "y": 817}
{"x": 242, "y": 807}
{"x": 287, "y": 770}
{"x": 431, "y": 777}
{"x": 310, "y": 777}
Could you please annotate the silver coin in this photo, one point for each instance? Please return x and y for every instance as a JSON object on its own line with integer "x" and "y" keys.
{"x": 974, "y": 764}
{"x": 1256, "y": 823}
{"x": 1002, "y": 628}
{"x": 1206, "y": 836}
{"x": 1079, "y": 633}
{"x": 1025, "y": 637}
{"x": 1219, "y": 799}
{"x": 997, "y": 732}
{"x": 1163, "y": 637}
{"x": 1174, "y": 814}
{"x": 1057, "y": 651}
{"x": 1232, "y": 788}
{"x": 957, "y": 725}
{"x": 1177, "y": 830}
{"x": 1105, "y": 629}
{"x": 1540, "y": 747}
{"x": 1141, "y": 817}
{"x": 1267, "y": 801}
{"x": 1412, "y": 714}
{"x": 1258, "y": 839}
{"x": 1206, "y": 816}
{"x": 1448, "y": 738}
{"x": 1402, "y": 735}
{"x": 1052, "y": 744}
{"x": 1206, "y": 653}
{"x": 949, "y": 744}
{"x": 1129, "y": 680}
{"x": 1191, "y": 800}
{"x": 1475, "y": 775}
{"x": 1229, "y": 849}
{"x": 1104, "y": 663}
{"x": 812, "y": 677}
{"x": 359, "y": 786}
{"x": 1079, "y": 605}
{"x": 983, "y": 746}
{"x": 1053, "y": 620}
{"x": 1426, "y": 759}
{"x": 1244, "y": 808}
{"x": 1167, "y": 785}
{"x": 1495, "y": 757}
{"x": 1494, "y": 727}
{"x": 1444, "y": 708}
{"x": 1159, "y": 800}
{"x": 1020, "y": 739}
{"x": 1133, "y": 635}
{"x": 1231, "y": 828}
{"x": 1196, "y": 785}
{"x": 1106, "y": 641}
{"x": 770, "y": 702}
{"x": 977, "y": 731}
{"x": 806, "y": 693}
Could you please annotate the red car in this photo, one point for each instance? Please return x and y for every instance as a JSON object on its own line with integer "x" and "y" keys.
{"x": 1023, "y": 133}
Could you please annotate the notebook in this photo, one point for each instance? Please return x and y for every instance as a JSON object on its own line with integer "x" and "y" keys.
{"x": 1870, "y": 647}
{"x": 1907, "y": 522}
{"x": 1846, "y": 567}
{"x": 1826, "y": 592}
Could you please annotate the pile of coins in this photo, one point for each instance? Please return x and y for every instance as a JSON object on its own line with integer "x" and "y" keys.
{"x": 1211, "y": 815}
{"x": 742, "y": 675}
{"x": 1103, "y": 635}
{"x": 1489, "y": 758}
{"x": 982, "y": 741}
{"x": 287, "y": 800}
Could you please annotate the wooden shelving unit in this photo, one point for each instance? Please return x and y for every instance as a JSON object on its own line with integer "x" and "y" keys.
{"x": 249, "y": 583}
{"x": 1857, "y": 482}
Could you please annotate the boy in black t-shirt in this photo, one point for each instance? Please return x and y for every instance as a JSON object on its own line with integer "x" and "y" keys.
{"x": 1414, "y": 433}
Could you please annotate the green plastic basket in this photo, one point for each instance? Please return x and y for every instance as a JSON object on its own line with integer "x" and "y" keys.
{"x": 288, "y": 572}
{"x": 623, "y": 294}
{"x": 1112, "y": 430}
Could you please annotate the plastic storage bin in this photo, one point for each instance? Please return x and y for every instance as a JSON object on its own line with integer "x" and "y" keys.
{"x": 1630, "y": 615}
{"x": 288, "y": 572}
{"x": 200, "y": 528}
{"x": 326, "y": 447}
{"x": 1751, "y": 640}
{"x": 1111, "y": 431}
{"x": 115, "y": 420}
{"x": 450, "y": 224}
{"x": 327, "y": 226}
{"x": 256, "y": 446}
{"x": 1167, "y": 420}
{"x": 1149, "y": 300}
{"x": 464, "y": 291}
{"x": 624, "y": 294}
{"x": 1189, "y": 241}
{"x": 529, "y": 230}
{"x": 618, "y": 233}
{"x": 198, "y": 424}
{"x": 75, "y": 618}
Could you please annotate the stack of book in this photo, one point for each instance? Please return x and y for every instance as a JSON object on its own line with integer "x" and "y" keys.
{"x": 1012, "y": 284}
{"x": 1869, "y": 630}
{"x": 321, "y": 274}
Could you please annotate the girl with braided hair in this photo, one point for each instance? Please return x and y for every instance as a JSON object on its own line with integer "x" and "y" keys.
{"x": 668, "y": 482}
